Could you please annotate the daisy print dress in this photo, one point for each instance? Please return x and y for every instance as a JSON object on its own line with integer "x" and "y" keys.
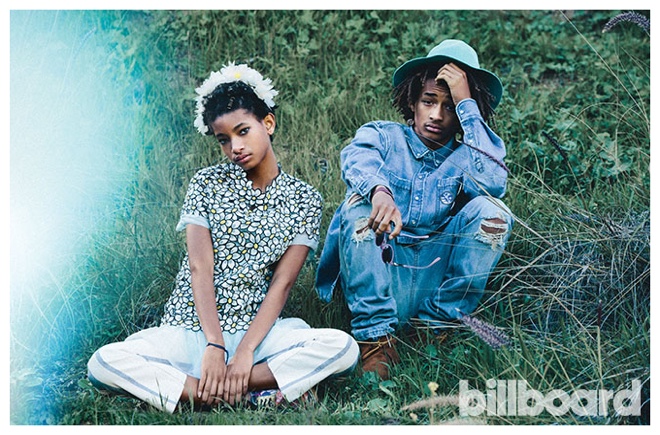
{"x": 250, "y": 230}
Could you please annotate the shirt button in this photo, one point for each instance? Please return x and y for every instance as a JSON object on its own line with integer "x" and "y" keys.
{"x": 417, "y": 198}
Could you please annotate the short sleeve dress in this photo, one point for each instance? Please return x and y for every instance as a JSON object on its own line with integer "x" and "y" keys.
{"x": 250, "y": 229}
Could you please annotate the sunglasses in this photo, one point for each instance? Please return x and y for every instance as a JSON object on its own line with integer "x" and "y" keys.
{"x": 387, "y": 252}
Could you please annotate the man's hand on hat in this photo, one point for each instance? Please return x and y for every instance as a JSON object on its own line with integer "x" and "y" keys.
{"x": 457, "y": 81}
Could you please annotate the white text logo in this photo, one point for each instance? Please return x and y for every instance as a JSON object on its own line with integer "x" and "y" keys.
{"x": 515, "y": 398}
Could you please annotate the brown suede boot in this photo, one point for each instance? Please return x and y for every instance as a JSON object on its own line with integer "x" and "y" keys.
{"x": 378, "y": 356}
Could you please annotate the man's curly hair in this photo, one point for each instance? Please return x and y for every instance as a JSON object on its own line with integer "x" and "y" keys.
{"x": 409, "y": 90}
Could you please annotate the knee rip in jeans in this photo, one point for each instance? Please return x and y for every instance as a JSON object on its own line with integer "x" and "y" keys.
{"x": 362, "y": 231}
{"x": 492, "y": 232}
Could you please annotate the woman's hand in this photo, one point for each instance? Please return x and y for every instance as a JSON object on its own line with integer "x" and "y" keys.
{"x": 384, "y": 212}
{"x": 457, "y": 81}
{"x": 211, "y": 383}
{"x": 238, "y": 376}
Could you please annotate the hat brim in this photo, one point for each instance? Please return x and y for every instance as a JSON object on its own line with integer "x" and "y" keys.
{"x": 488, "y": 79}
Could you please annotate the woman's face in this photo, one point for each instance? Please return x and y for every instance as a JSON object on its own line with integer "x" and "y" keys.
{"x": 244, "y": 139}
{"x": 435, "y": 115}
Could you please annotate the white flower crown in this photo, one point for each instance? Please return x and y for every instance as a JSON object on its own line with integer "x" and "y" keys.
{"x": 232, "y": 73}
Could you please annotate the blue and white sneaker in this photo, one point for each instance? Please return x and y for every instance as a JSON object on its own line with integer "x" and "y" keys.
{"x": 274, "y": 398}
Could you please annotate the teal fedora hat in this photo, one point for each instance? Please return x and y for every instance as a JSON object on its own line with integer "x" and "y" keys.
{"x": 453, "y": 50}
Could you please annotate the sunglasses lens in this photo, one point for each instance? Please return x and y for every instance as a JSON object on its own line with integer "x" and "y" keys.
{"x": 386, "y": 254}
{"x": 379, "y": 239}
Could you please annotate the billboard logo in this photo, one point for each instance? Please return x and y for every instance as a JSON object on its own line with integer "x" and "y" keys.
{"x": 515, "y": 398}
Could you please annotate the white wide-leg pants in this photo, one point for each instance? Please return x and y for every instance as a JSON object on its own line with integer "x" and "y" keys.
{"x": 152, "y": 365}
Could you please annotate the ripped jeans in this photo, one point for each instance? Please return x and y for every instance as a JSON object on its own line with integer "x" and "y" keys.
{"x": 382, "y": 296}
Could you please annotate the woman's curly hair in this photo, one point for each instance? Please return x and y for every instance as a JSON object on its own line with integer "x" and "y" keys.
{"x": 228, "y": 97}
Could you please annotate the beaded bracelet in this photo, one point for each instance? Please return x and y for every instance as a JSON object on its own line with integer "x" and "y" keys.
{"x": 220, "y": 347}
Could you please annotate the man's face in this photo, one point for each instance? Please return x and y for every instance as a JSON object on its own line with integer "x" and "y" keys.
{"x": 435, "y": 117}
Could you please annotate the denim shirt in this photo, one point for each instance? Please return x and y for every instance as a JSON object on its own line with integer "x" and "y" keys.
{"x": 425, "y": 183}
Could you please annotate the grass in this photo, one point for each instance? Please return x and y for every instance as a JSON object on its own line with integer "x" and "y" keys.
{"x": 572, "y": 291}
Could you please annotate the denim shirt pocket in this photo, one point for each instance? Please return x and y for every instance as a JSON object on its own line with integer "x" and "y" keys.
{"x": 445, "y": 195}
{"x": 401, "y": 188}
